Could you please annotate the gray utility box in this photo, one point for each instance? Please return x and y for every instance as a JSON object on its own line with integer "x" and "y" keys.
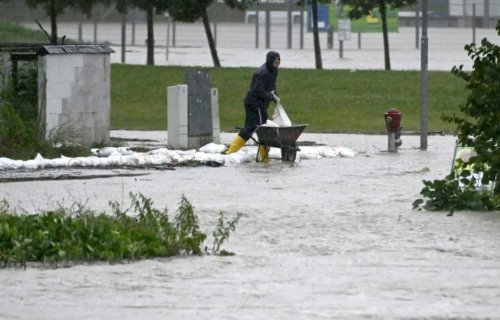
{"x": 193, "y": 112}
{"x": 74, "y": 97}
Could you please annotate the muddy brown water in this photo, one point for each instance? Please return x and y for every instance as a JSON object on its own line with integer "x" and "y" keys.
{"x": 322, "y": 239}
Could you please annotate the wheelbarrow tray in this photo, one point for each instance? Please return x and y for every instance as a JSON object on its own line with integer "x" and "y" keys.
{"x": 284, "y": 138}
{"x": 279, "y": 137}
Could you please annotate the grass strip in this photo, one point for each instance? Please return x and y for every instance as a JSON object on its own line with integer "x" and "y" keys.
{"x": 12, "y": 33}
{"x": 328, "y": 100}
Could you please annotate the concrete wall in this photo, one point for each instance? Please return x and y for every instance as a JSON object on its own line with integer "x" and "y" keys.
{"x": 74, "y": 95}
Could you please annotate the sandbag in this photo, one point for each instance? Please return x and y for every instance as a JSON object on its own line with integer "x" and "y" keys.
{"x": 280, "y": 117}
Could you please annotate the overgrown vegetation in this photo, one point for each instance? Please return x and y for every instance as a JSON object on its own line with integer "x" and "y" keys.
{"x": 18, "y": 114}
{"x": 221, "y": 233}
{"x": 78, "y": 234}
{"x": 456, "y": 192}
{"x": 478, "y": 126}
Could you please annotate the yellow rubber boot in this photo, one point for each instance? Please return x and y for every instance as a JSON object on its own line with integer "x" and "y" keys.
{"x": 263, "y": 154}
{"x": 236, "y": 145}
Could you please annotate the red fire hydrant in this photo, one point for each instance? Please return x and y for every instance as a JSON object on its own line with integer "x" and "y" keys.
{"x": 393, "y": 124}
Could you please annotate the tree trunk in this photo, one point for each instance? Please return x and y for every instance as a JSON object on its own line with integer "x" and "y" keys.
{"x": 210, "y": 38}
{"x": 151, "y": 39}
{"x": 317, "y": 48}
{"x": 53, "y": 22}
{"x": 383, "y": 15}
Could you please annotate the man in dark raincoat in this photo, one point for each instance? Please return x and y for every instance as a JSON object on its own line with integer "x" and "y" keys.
{"x": 261, "y": 92}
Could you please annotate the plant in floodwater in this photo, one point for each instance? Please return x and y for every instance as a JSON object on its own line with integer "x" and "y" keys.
{"x": 455, "y": 192}
{"x": 74, "y": 234}
{"x": 478, "y": 126}
{"x": 186, "y": 223}
{"x": 222, "y": 231}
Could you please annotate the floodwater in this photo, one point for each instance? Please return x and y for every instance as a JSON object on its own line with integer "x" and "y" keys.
{"x": 236, "y": 46}
{"x": 321, "y": 239}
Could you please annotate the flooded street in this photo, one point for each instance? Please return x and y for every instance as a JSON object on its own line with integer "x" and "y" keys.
{"x": 321, "y": 239}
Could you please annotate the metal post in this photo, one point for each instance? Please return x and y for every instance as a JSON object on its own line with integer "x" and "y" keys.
{"x": 95, "y": 30}
{"x": 289, "y": 24}
{"x": 423, "y": 79}
{"x": 80, "y": 38}
{"x": 133, "y": 26}
{"x": 359, "y": 40}
{"x": 302, "y": 28}
{"x": 268, "y": 29}
{"x": 417, "y": 24}
{"x": 486, "y": 16}
{"x": 464, "y": 7}
{"x": 215, "y": 24}
{"x": 474, "y": 23}
{"x": 94, "y": 11}
{"x": 340, "y": 15}
{"x": 124, "y": 36}
{"x": 333, "y": 38}
{"x": 173, "y": 34}
{"x": 329, "y": 38}
{"x": 168, "y": 39}
{"x": 257, "y": 28}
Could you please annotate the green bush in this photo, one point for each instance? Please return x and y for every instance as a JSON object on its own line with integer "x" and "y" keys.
{"x": 478, "y": 126}
{"x": 455, "y": 193}
{"x": 79, "y": 234}
{"x": 17, "y": 136}
{"x": 24, "y": 97}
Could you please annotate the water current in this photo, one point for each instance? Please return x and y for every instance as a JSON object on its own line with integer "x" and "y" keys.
{"x": 320, "y": 239}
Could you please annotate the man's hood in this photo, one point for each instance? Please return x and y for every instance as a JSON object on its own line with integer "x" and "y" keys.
{"x": 270, "y": 57}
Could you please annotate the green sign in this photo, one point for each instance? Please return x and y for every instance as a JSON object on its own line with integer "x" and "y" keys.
{"x": 369, "y": 23}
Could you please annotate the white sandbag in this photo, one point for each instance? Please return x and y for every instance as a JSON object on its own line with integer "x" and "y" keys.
{"x": 270, "y": 123}
{"x": 280, "y": 117}
{"x": 213, "y": 148}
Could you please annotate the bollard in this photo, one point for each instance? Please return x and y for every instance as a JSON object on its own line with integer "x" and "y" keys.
{"x": 329, "y": 37}
{"x": 393, "y": 124}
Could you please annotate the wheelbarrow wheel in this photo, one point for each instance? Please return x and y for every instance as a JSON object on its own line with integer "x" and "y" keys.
{"x": 288, "y": 154}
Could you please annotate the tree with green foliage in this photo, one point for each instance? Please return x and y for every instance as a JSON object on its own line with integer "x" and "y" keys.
{"x": 79, "y": 234}
{"x": 479, "y": 127}
{"x": 359, "y": 8}
{"x": 192, "y": 10}
{"x": 54, "y": 8}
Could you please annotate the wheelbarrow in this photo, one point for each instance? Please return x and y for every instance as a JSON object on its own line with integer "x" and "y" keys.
{"x": 284, "y": 138}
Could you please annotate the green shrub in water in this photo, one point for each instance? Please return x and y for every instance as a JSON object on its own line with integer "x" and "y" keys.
{"x": 78, "y": 234}
{"x": 478, "y": 126}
